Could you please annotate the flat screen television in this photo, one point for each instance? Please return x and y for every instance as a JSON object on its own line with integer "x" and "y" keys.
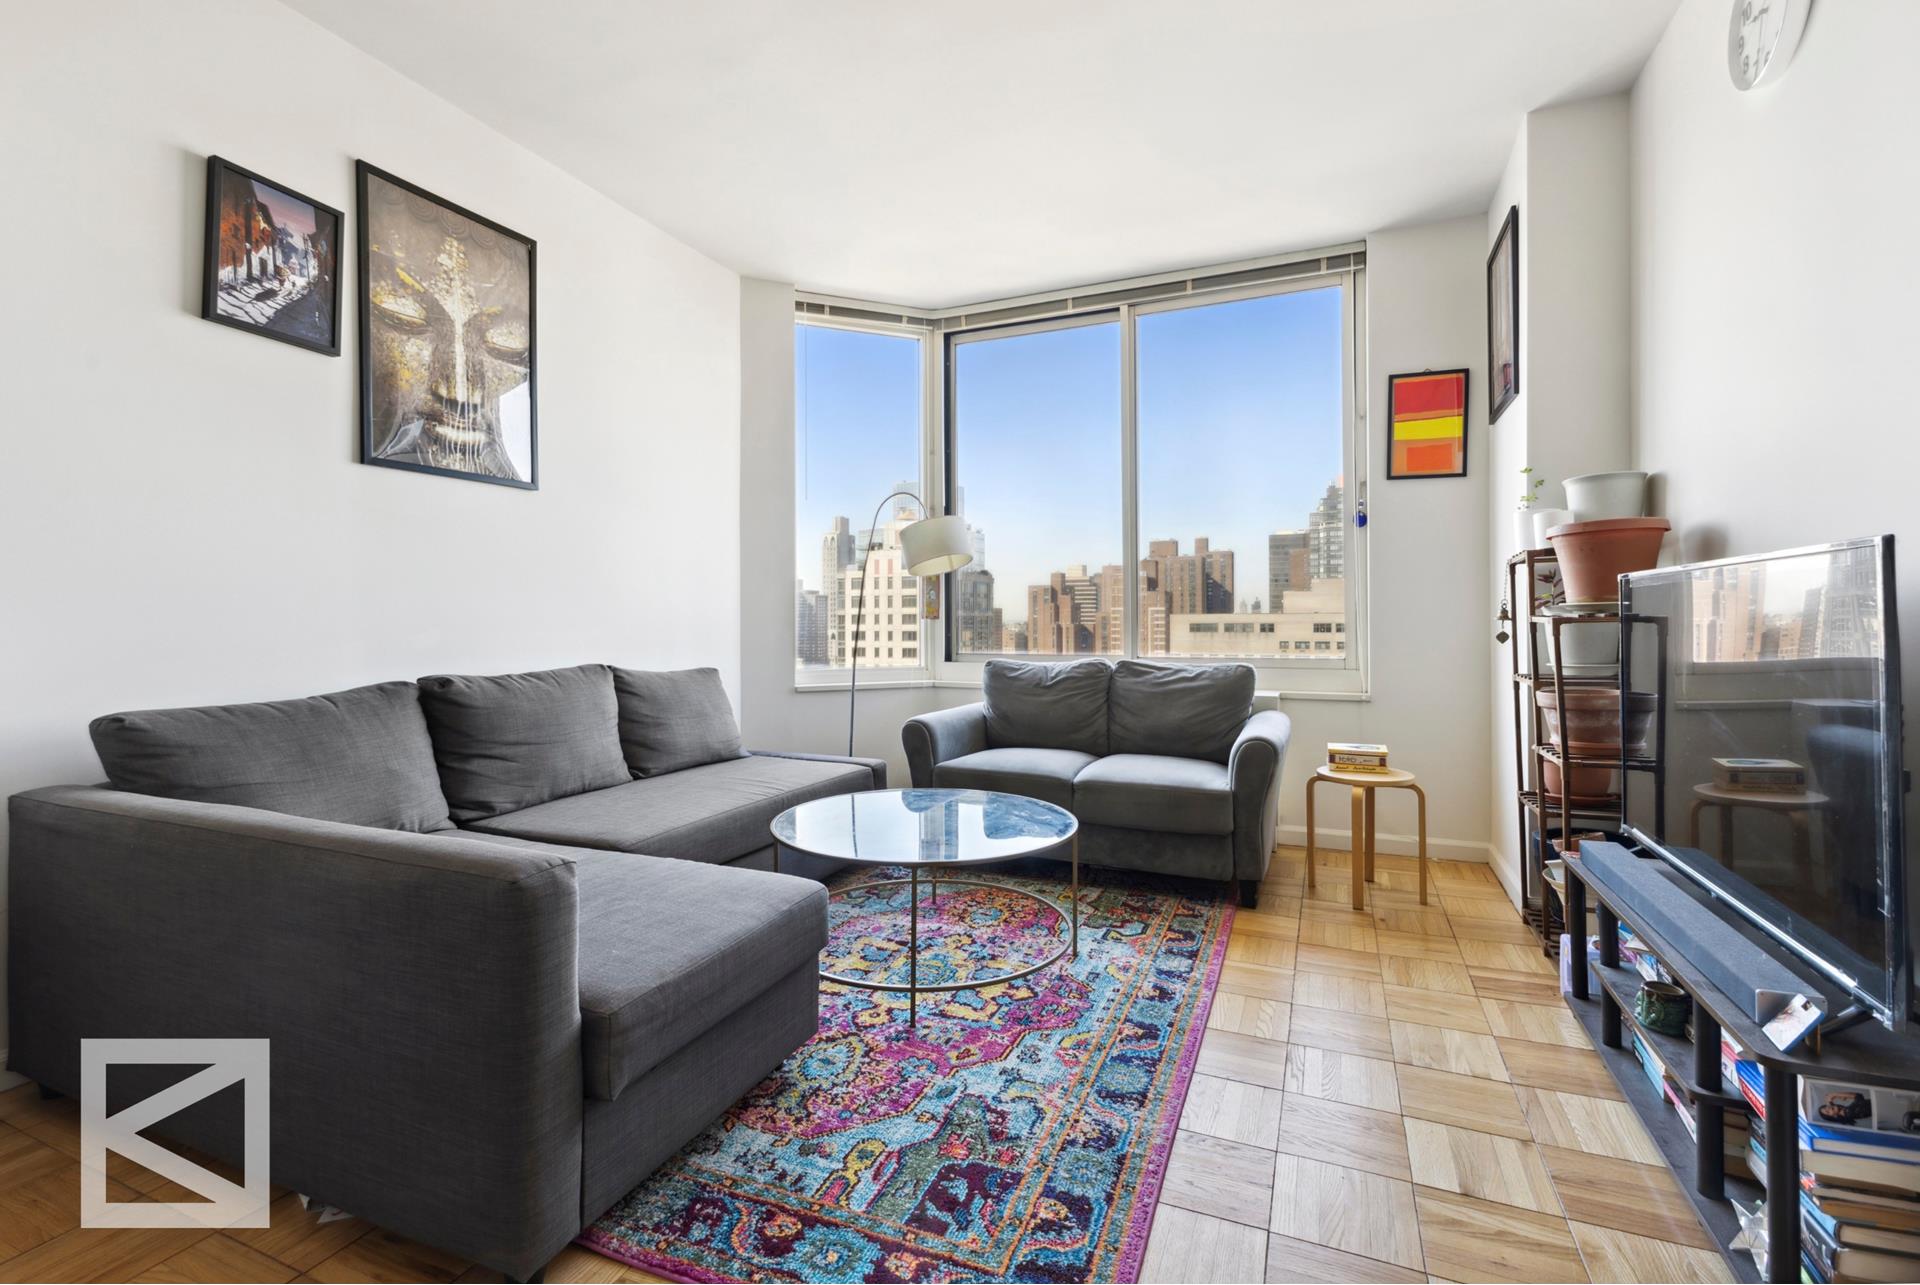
{"x": 1779, "y": 752}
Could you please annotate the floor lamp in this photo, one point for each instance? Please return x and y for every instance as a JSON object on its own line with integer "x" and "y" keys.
{"x": 930, "y": 547}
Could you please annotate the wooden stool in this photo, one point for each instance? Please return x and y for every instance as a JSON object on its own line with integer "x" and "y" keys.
{"x": 1364, "y": 784}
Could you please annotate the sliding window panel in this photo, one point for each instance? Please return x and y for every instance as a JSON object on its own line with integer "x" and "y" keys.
{"x": 859, "y": 415}
{"x": 1034, "y": 467}
{"x": 1242, "y": 449}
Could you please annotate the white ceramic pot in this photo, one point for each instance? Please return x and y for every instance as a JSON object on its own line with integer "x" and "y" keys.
{"x": 1593, "y": 496}
{"x": 1545, "y": 520}
{"x": 1523, "y": 531}
{"x": 1590, "y": 649}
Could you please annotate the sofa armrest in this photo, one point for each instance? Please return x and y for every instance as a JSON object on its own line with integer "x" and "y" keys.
{"x": 876, "y": 766}
{"x": 932, "y": 739}
{"x": 420, "y": 992}
{"x": 1253, "y": 768}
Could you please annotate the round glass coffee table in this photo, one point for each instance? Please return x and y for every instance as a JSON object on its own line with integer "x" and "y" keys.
{"x": 934, "y": 833}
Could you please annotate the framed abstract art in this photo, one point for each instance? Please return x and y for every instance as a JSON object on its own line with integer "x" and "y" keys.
{"x": 447, "y": 356}
{"x": 1503, "y": 317}
{"x": 1427, "y": 424}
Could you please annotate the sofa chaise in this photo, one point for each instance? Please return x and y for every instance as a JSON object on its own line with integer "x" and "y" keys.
{"x": 1167, "y": 767}
{"x": 493, "y": 1006}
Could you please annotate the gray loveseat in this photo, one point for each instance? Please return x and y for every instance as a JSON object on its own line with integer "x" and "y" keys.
{"x": 490, "y": 1014}
{"x": 1167, "y": 767}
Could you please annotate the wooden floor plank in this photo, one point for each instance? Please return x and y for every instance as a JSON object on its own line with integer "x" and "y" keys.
{"x": 1346, "y": 1209}
{"x": 1623, "y": 1195}
{"x": 1621, "y": 1256}
{"x": 1600, "y": 1126}
{"x": 1221, "y": 1179}
{"x": 1188, "y": 1248}
{"x": 1232, "y": 1056}
{"x": 1302, "y": 1260}
{"x": 1342, "y": 1077}
{"x": 1480, "y": 1240}
{"x": 1553, "y": 1066}
{"x": 1463, "y": 1100}
{"x": 1439, "y": 1048}
{"x": 1486, "y": 1166}
{"x": 1233, "y": 1110}
{"x": 1267, "y": 1019}
{"x": 1375, "y": 1141}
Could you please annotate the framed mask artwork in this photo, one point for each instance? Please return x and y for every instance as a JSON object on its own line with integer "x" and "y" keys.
{"x": 446, "y": 338}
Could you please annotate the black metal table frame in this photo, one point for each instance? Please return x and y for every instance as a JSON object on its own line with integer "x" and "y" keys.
{"x": 913, "y": 989}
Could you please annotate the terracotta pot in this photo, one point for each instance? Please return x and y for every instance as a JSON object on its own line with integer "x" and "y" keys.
{"x": 1594, "y": 554}
{"x": 1588, "y": 782}
{"x": 1593, "y": 719}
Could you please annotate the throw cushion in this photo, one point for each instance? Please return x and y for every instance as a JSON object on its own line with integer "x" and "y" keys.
{"x": 1189, "y": 711}
{"x": 361, "y": 757}
{"x": 674, "y": 720}
{"x": 511, "y": 741}
{"x": 1047, "y": 706}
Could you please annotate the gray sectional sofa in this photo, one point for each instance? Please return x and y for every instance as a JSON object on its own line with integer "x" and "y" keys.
{"x": 1167, "y": 767}
{"x": 493, "y": 1007}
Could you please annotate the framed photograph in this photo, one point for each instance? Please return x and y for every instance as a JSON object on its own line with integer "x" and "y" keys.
{"x": 1427, "y": 424}
{"x": 273, "y": 260}
{"x": 1503, "y": 317}
{"x": 447, "y": 367}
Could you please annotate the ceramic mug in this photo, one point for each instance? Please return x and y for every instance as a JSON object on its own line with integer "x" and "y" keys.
{"x": 1662, "y": 1007}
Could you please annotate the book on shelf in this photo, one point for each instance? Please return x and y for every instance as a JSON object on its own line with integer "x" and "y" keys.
{"x": 1760, "y": 776}
{"x": 1356, "y": 756}
{"x": 1840, "y": 1261}
{"x": 1892, "y": 1213}
{"x": 1857, "y": 1173}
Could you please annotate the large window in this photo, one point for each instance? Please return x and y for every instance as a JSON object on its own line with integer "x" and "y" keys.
{"x": 1036, "y": 414}
{"x": 1211, "y": 433}
{"x": 859, "y": 411}
{"x": 1242, "y": 528}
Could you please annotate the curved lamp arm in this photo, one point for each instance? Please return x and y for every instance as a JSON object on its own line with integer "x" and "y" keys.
{"x": 859, "y": 607}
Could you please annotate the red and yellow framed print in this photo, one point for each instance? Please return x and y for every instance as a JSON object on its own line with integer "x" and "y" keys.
{"x": 1427, "y": 424}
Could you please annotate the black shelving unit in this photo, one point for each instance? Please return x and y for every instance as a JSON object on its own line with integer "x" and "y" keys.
{"x": 1544, "y": 622}
{"x": 1602, "y": 999}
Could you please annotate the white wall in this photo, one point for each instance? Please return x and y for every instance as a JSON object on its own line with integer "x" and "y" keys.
{"x": 183, "y": 517}
{"x": 1775, "y": 268}
{"x": 1568, "y": 174}
{"x": 1429, "y": 629}
{"x": 1425, "y": 310}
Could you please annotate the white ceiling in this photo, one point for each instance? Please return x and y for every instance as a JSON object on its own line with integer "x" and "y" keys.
{"x": 945, "y": 153}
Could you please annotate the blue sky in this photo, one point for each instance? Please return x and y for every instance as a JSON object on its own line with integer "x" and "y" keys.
{"x": 1239, "y": 419}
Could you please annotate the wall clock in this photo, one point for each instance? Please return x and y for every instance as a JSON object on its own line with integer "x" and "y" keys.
{"x": 1761, "y": 38}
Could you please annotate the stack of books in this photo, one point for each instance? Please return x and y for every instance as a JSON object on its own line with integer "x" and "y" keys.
{"x": 1355, "y": 756}
{"x": 1859, "y": 1178}
{"x": 1759, "y": 776}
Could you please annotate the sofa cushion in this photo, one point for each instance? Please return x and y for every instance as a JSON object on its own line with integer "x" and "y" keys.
{"x": 674, "y": 719}
{"x": 1155, "y": 792}
{"x": 669, "y": 948}
{"x": 1046, "y": 775}
{"x": 361, "y": 757}
{"x": 1046, "y": 705}
{"x": 718, "y": 812}
{"x": 511, "y": 741}
{"x": 1192, "y": 711}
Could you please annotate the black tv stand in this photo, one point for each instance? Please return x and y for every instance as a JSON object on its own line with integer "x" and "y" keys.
{"x": 1602, "y": 997}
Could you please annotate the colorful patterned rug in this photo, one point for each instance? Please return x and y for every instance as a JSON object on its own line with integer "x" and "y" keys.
{"x": 1019, "y": 1133}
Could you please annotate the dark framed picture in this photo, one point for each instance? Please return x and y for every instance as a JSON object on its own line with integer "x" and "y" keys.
{"x": 447, "y": 365}
{"x": 273, "y": 260}
{"x": 1427, "y": 424}
{"x": 1503, "y": 317}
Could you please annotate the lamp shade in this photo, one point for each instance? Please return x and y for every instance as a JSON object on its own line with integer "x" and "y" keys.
{"x": 933, "y": 546}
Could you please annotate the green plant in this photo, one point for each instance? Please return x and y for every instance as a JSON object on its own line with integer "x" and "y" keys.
{"x": 1533, "y": 484}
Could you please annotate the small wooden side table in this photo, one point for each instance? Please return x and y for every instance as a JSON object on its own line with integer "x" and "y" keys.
{"x": 1364, "y": 784}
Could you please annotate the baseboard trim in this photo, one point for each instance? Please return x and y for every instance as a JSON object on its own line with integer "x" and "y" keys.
{"x": 1405, "y": 845}
{"x": 9, "y": 1079}
{"x": 1504, "y": 872}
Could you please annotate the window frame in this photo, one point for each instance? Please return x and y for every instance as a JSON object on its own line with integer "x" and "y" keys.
{"x": 834, "y": 677}
{"x": 1346, "y": 678}
{"x": 1277, "y": 676}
